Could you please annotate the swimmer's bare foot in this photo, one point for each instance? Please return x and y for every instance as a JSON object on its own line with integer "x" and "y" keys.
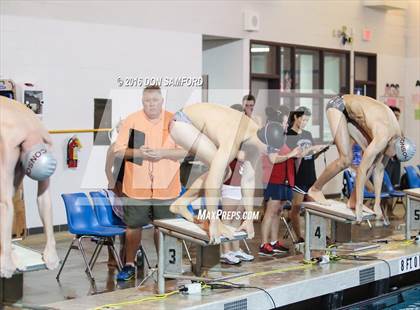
{"x": 17, "y": 262}
{"x": 7, "y": 265}
{"x": 317, "y": 196}
{"x": 204, "y": 224}
{"x": 359, "y": 214}
{"x": 218, "y": 229}
{"x": 226, "y": 230}
{"x": 380, "y": 216}
{"x": 351, "y": 205}
{"x": 50, "y": 257}
{"x": 181, "y": 210}
{"x": 351, "y": 202}
{"x": 248, "y": 226}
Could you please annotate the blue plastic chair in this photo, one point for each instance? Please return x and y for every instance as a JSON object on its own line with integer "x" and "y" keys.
{"x": 413, "y": 178}
{"x": 349, "y": 184}
{"x": 107, "y": 217}
{"x": 82, "y": 222}
{"x": 393, "y": 193}
{"x": 103, "y": 209}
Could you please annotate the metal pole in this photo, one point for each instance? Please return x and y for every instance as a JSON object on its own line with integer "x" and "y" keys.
{"x": 307, "y": 235}
{"x": 64, "y": 131}
{"x": 65, "y": 259}
{"x": 161, "y": 264}
{"x": 89, "y": 273}
{"x": 288, "y": 229}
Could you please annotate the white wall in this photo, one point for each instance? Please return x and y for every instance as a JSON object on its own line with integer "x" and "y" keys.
{"x": 412, "y": 74}
{"x": 301, "y": 22}
{"x": 74, "y": 62}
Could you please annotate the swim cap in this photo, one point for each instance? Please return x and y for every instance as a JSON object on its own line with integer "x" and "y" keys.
{"x": 404, "y": 148}
{"x": 272, "y": 134}
{"x": 39, "y": 163}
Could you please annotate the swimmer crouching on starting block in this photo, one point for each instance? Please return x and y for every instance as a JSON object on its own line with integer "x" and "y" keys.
{"x": 215, "y": 134}
{"x": 25, "y": 149}
{"x": 375, "y": 128}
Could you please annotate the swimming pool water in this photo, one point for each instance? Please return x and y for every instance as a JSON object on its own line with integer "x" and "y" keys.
{"x": 409, "y": 299}
{"x": 404, "y": 299}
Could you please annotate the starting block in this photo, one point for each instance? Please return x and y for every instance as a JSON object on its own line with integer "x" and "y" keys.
{"x": 316, "y": 216}
{"x": 11, "y": 290}
{"x": 412, "y": 218}
{"x": 172, "y": 233}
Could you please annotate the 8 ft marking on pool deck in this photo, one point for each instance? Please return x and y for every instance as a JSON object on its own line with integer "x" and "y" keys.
{"x": 409, "y": 263}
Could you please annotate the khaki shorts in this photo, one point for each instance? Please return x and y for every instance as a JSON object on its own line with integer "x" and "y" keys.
{"x": 140, "y": 212}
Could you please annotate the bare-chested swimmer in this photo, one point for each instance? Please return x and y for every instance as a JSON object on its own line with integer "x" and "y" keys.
{"x": 215, "y": 134}
{"x": 25, "y": 148}
{"x": 374, "y": 127}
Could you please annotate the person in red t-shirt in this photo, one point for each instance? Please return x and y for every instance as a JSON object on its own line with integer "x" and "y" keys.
{"x": 278, "y": 175}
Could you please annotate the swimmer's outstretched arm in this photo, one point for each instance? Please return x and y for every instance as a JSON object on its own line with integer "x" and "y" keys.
{"x": 212, "y": 186}
{"x": 276, "y": 158}
{"x": 377, "y": 146}
{"x": 46, "y": 214}
{"x": 171, "y": 154}
{"x": 378, "y": 177}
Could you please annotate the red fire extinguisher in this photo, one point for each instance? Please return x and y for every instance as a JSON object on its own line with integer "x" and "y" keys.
{"x": 73, "y": 147}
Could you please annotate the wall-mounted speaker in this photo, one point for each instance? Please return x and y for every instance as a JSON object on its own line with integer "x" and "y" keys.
{"x": 251, "y": 21}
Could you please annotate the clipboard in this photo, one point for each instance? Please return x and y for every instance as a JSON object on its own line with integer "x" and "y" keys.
{"x": 135, "y": 141}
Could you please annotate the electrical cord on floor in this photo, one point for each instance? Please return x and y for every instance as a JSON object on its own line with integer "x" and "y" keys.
{"x": 367, "y": 258}
{"x": 329, "y": 257}
{"x": 136, "y": 301}
{"x": 267, "y": 293}
{"x": 312, "y": 261}
{"x": 222, "y": 285}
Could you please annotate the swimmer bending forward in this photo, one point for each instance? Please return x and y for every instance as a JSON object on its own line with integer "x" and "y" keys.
{"x": 374, "y": 127}
{"x": 215, "y": 134}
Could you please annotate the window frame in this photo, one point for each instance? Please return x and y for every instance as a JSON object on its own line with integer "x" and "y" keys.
{"x": 274, "y": 81}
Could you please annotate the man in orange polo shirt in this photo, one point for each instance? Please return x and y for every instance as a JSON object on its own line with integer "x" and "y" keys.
{"x": 151, "y": 179}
